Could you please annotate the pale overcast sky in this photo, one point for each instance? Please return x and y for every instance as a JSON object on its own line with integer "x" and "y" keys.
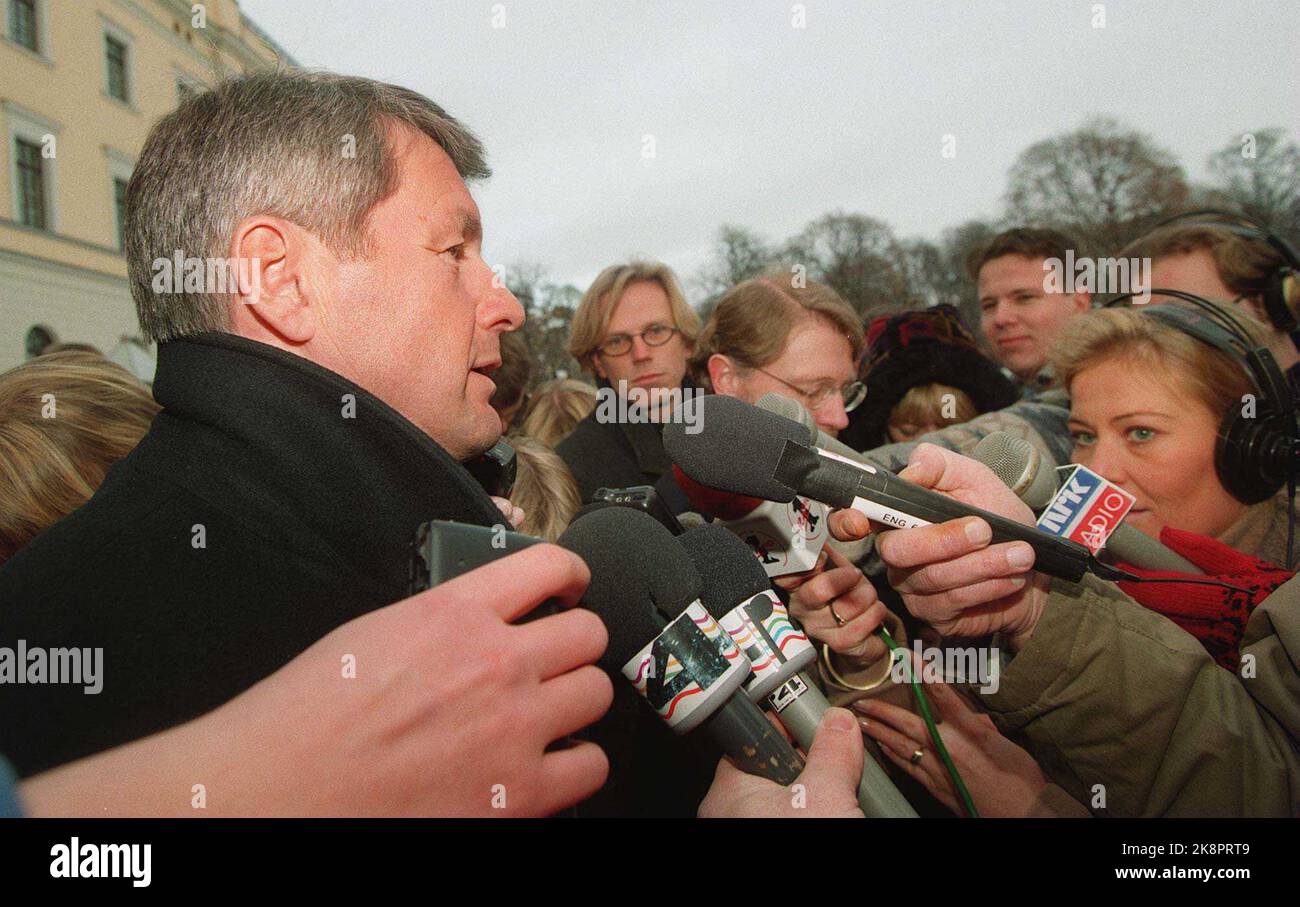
{"x": 758, "y": 122}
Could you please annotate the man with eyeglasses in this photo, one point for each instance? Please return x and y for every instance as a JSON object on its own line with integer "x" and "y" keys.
{"x": 767, "y": 335}
{"x": 633, "y": 332}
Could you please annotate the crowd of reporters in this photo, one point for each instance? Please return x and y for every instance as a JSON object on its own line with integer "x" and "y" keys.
{"x": 236, "y": 539}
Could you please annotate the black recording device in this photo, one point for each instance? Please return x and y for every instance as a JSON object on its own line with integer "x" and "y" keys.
{"x": 443, "y": 550}
{"x": 640, "y": 497}
{"x": 495, "y": 469}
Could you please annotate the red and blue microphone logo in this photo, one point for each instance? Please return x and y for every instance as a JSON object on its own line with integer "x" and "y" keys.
{"x": 1086, "y": 509}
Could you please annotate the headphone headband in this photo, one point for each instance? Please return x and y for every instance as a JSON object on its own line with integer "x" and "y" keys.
{"x": 1242, "y": 226}
{"x": 1255, "y": 453}
{"x": 1218, "y": 327}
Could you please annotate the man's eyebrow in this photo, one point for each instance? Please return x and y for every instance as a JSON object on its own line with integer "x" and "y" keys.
{"x": 470, "y": 225}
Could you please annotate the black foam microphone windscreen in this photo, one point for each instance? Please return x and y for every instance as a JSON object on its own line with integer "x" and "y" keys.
{"x": 638, "y": 574}
{"x": 688, "y": 668}
{"x": 728, "y": 570}
{"x": 752, "y": 437}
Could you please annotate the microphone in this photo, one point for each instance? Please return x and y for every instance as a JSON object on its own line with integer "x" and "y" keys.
{"x": 1021, "y": 466}
{"x": 786, "y": 538}
{"x": 739, "y": 596}
{"x": 667, "y": 645}
{"x": 797, "y": 412}
{"x": 744, "y": 449}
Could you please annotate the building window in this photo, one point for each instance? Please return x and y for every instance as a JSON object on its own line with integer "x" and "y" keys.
{"x": 31, "y": 184}
{"x": 119, "y": 210}
{"x": 115, "y": 56}
{"x": 22, "y": 24}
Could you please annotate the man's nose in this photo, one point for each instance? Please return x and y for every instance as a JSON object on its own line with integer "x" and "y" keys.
{"x": 831, "y": 416}
{"x": 640, "y": 349}
{"x": 500, "y": 309}
{"x": 1003, "y": 314}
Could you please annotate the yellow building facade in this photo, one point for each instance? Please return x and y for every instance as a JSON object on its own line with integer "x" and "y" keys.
{"x": 81, "y": 82}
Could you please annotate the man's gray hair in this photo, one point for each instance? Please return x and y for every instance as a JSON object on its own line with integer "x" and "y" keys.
{"x": 310, "y": 147}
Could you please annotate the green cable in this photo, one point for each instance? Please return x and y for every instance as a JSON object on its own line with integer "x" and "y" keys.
{"x": 924, "y": 704}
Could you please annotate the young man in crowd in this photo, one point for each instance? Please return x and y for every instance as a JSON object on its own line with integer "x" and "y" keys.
{"x": 1020, "y": 318}
{"x": 633, "y": 332}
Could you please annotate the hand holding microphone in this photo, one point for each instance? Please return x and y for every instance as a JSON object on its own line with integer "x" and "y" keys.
{"x": 949, "y": 574}
{"x": 1020, "y": 465}
{"x": 824, "y": 790}
{"x": 745, "y": 450}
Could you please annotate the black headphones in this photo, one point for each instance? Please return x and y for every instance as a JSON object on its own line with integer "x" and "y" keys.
{"x": 1281, "y": 297}
{"x": 1255, "y": 455}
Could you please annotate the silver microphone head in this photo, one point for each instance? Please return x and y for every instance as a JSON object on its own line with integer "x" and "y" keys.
{"x": 1020, "y": 465}
{"x": 789, "y": 409}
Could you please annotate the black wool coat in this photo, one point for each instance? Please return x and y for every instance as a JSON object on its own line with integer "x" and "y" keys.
{"x": 270, "y": 502}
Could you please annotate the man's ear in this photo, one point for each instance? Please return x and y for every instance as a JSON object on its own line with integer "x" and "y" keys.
{"x": 1082, "y": 302}
{"x": 598, "y": 368}
{"x": 722, "y": 375}
{"x": 275, "y": 294}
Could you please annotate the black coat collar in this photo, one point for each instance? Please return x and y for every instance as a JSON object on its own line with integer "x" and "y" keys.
{"x": 264, "y": 433}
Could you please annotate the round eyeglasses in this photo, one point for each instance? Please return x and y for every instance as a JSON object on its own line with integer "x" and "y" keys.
{"x": 851, "y": 393}
{"x": 621, "y": 344}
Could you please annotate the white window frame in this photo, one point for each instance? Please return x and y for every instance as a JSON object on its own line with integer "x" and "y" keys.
{"x": 120, "y": 167}
{"x": 42, "y": 51}
{"x": 22, "y": 123}
{"x": 112, "y": 30}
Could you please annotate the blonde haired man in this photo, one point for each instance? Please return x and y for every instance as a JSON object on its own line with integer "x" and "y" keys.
{"x": 633, "y": 332}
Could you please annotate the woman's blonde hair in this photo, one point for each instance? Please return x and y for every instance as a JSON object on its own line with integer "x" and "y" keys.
{"x": 591, "y": 321}
{"x": 752, "y": 322}
{"x": 925, "y": 404}
{"x": 555, "y": 408}
{"x": 544, "y": 489}
{"x": 65, "y": 418}
{"x": 1215, "y": 379}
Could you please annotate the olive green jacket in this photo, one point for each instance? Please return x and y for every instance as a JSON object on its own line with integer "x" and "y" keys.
{"x": 1129, "y": 714}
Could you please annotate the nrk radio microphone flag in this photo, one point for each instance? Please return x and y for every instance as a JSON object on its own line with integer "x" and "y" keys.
{"x": 1086, "y": 508}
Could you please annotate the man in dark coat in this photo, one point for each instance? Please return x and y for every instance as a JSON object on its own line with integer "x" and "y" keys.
{"x": 315, "y": 411}
{"x": 633, "y": 332}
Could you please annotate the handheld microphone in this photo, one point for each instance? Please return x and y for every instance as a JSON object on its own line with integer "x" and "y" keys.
{"x": 744, "y": 449}
{"x": 797, "y": 412}
{"x": 739, "y": 596}
{"x": 1020, "y": 465}
{"x": 667, "y": 645}
{"x": 785, "y": 538}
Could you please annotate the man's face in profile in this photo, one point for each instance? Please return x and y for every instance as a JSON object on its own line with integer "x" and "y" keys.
{"x": 416, "y": 319}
